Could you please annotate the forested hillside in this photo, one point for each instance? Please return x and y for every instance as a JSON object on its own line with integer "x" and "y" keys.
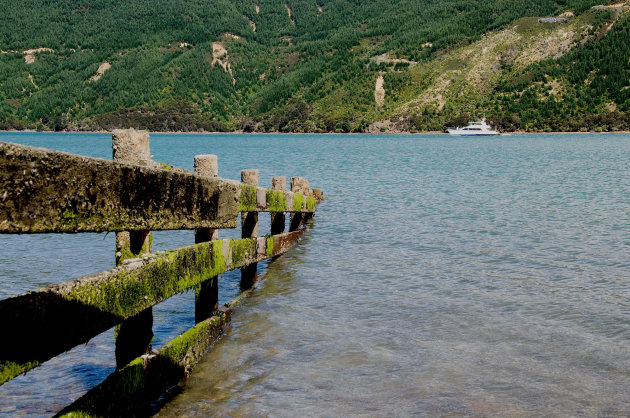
{"x": 312, "y": 65}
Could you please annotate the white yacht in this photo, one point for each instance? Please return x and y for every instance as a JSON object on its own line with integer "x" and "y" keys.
{"x": 474, "y": 129}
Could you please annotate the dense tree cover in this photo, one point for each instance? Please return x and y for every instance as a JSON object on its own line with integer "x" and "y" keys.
{"x": 586, "y": 89}
{"x": 291, "y": 65}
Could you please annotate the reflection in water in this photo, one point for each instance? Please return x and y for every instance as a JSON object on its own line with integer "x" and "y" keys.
{"x": 442, "y": 277}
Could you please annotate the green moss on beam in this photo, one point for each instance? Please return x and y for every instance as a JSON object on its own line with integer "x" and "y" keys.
{"x": 298, "y": 202}
{"x": 10, "y": 369}
{"x": 186, "y": 349}
{"x": 310, "y": 204}
{"x": 127, "y": 392}
{"x": 247, "y": 201}
{"x": 276, "y": 201}
{"x": 123, "y": 393}
{"x": 269, "y": 246}
{"x": 242, "y": 250}
{"x": 70, "y": 313}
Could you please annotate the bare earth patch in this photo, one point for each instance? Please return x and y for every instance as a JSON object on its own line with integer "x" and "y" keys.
{"x": 229, "y": 36}
{"x": 379, "y": 91}
{"x": 101, "y": 70}
{"x": 220, "y": 55}
{"x": 612, "y": 106}
{"x": 556, "y": 87}
{"x": 30, "y": 77}
{"x": 289, "y": 13}
{"x": 29, "y": 54}
{"x": 386, "y": 58}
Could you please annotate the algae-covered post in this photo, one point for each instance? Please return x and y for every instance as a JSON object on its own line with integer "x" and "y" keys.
{"x": 300, "y": 186}
{"x": 206, "y": 165}
{"x": 249, "y": 225}
{"x": 206, "y": 292}
{"x": 51, "y": 191}
{"x": 133, "y": 336}
{"x": 278, "y": 218}
{"x": 308, "y": 197}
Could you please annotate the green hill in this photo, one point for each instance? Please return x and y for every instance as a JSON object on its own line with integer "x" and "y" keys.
{"x": 312, "y": 66}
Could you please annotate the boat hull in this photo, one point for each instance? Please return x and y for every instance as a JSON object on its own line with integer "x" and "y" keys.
{"x": 457, "y": 133}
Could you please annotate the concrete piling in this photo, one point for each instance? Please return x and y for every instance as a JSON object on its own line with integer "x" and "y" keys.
{"x": 51, "y": 191}
{"x": 206, "y": 165}
{"x": 133, "y": 336}
{"x": 306, "y": 190}
{"x": 206, "y": 292}
{"x": 131, "y": 146}
{"x": 318, "y": 194}
{"x": 278, "y": 218}
{"x": 298, "y": 185}
{"x": 249, "y": 229}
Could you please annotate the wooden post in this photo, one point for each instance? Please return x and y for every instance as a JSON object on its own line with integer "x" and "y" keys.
{"x": 134, "y": 336}
{"x": 297, "y": 218}
{"x": 207, "y": 292}
{"x": 278, "y": 218}
{"x": 249, "y": 229}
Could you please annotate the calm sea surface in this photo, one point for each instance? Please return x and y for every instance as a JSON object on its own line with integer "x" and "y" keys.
{"x": 442, "y": 276}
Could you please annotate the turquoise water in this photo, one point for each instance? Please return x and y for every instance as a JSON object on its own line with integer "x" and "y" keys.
{"x": 442, "y": 276}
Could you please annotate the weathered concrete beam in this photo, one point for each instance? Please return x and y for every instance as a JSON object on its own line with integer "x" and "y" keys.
{"x": 49, "y": 191}
{"x": 249, "y": 229}
{"x": 70, "y": 313}
{"x": 130, "y": 390}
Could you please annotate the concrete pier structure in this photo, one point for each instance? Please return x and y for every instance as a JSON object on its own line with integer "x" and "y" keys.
{"x": 50, "y": 191}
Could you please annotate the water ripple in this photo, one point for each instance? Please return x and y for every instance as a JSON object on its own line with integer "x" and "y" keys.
{"x": 481, "y": 277}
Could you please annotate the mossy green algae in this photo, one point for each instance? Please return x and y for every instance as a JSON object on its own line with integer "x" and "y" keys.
{"x": 276, "y": 201}
{"x": 10, "y": 369}
{"x": 310, "y": 203}
{"x": 242, "y": 250}
{"x": 141, "y": 283}
{"x": 247, "y": 201}
{"x": 186, "y": 349}
{"x": 126, "y": 291}
{"x": 298, "y": 202}
{"x": 269, "y": 246}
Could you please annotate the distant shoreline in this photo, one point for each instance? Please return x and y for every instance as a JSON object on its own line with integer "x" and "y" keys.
{"x": 312, "y": 133}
